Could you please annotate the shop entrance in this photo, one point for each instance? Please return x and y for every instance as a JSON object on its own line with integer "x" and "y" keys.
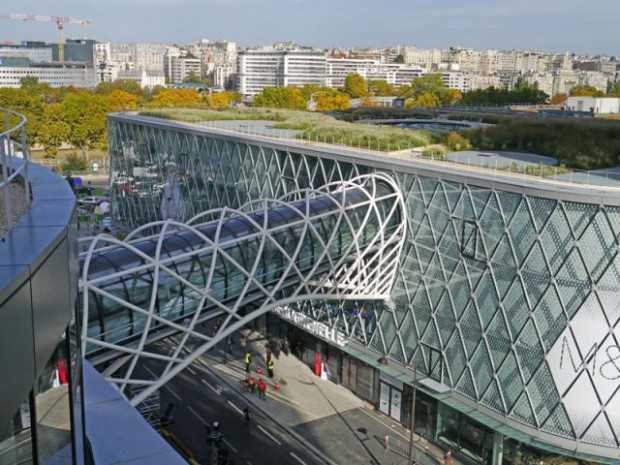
{"x": 390, "y": 401}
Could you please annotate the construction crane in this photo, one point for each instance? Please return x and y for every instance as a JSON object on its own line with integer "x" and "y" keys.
{"x": 60, "y": 24}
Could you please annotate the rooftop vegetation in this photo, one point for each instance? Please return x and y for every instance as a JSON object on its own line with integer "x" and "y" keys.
{"x": 316, "y": 127}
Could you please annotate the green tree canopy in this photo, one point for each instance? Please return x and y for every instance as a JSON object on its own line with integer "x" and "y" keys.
{"x": 381, "y": 88}
{"x": 585, "y": 91}
{"x": 281, "y": 97}
{"x": 126, "y": 85}
{"x": 355, "y": 85}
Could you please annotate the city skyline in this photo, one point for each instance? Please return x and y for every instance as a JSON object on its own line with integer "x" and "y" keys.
{"x": 552, "y": 26}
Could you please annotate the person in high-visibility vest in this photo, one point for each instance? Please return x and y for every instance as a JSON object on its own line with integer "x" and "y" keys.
{"x": 248, "y": 360}
{"x": 270, "y": 367}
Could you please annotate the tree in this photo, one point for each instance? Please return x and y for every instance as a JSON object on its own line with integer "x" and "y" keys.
{"x": 400, "y": 58}
{"x": 126, "y": 85}
{"x": 381, "y": 88}
{"x": 558, "y": 99}
{"x": 355, "y": 85}
{"x": 332, "y": 102}
{"x": 431, "y": 83}
{"x": 280, "y": 97}
{"x": 87, "y": 116}
{"x": 54, "y": 129}
{"x": 176, "y": 98}
{"x": 613, "y": 88}
{"x": 222, "y": 99}
{"x": 120, "y": 100}
{"x": 585, "y": 91}
{"x": 31, "y": 106}
{"x": 450, "y": 96}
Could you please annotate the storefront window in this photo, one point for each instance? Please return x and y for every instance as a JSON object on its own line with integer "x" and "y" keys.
{"x": 53, "y": 409}
{"x": 16, "y": 437}
{"x": 470, "y": 440}
{"x": 516, "y": 453}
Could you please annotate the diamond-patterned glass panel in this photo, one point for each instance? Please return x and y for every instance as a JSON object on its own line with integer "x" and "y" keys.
{"x": 501, "y": 314}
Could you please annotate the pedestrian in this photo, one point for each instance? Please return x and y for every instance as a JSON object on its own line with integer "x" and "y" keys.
{"x": 270, "y": 367}
{"x": 262, "y": 388}
{"x": 447, "y": 457}
{"x": 243, "y": 342}
{"x": 230, "y": 344}
{"x": 246, "y": 417}
{"x": 248, "y": 360}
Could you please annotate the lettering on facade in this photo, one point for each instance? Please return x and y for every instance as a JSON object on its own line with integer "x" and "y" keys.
{"x": 312, "y": 326}
{"x": 609, "y": 369}
{"x": 584, "y": 362}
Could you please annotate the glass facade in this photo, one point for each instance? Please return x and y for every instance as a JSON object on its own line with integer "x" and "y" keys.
{"x": 505, "y": 296}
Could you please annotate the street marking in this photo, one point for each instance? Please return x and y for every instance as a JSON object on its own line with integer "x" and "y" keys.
{"x": 191, "y": 371}
{"x": 268, "y": 434}
{"x": 230, "y": 445}
{"x": 165, "y": 385}
{"x": 298, "y": 459}
{"x": 197, "y": 416}
{"x": 249, "y": 463}
{"x": 235, "y": 407}
{"x": 217, "y": 391}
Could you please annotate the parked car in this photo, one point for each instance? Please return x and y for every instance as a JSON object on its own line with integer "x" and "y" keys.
{"x": 90, "y": 201}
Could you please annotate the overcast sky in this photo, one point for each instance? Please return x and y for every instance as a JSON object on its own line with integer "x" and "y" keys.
{"x": 549, "y": 25}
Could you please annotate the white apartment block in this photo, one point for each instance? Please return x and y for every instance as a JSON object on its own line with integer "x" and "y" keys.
{"x": 146, "y": 79}
{"x": 37, "y": 54}
{"x": 181, "y": 67}
{"x": 456, "y": 80}
{"x": 56, "y": 76}
{"x": 428, "y": 59}
{"x": 489, "y": 62}
{"x": 392, "y": 73}
{"x": 222, "y": 74}
{"x": 268, "y": 67}
{"x": 478, "y": 81}
{"x": 467, "y": 58}
{"x": 148, "y": 57}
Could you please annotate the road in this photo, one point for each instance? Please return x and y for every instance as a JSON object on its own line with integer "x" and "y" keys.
{"x": 200, "y": 399}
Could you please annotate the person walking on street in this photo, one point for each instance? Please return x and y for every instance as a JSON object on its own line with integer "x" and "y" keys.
{"x": 447, "y": 457}
{"x": 243, "y": 342}
{"x": 246, "y": 417}
{"x": 247, "y": 360}
{"x": 230, "y": 344}
{"x": 270, "y": 367}
{"x": 262, "y": 388}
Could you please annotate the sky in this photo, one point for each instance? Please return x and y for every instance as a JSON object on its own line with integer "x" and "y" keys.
{"x": 547, "y": 25}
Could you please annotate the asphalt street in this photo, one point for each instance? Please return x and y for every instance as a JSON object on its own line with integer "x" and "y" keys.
{"x": 199, "y": 399}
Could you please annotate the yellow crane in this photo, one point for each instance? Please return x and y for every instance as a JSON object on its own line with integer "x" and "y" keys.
{"x": 60, "y": 24}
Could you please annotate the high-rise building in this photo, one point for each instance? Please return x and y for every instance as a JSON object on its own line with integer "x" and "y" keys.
{"x": 269, "y": 67}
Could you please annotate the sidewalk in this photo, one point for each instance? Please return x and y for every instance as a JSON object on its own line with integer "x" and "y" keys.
{"x": 326, "y": 417}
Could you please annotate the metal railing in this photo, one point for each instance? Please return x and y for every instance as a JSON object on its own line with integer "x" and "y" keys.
{"x": 14, "y": 159}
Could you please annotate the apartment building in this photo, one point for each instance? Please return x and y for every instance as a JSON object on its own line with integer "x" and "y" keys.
{"x": 426, "y": 58}
{"x": 270, "y": 67}
{"x": 182, "y": 67}
{"x": 52, "y": 73}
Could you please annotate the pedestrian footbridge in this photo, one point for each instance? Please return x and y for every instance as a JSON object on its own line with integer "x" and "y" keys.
{"x": 339, "y": 242}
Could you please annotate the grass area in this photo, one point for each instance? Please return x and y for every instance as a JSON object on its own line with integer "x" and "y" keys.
{"x": 317, "y": 127}
{"x": 195, "y": 115}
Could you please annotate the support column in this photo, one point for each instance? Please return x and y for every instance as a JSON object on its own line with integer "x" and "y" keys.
{"x": 498, "y": 448}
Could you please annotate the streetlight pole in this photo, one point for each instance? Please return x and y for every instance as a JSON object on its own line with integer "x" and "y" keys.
{"x": 412, "y": 422}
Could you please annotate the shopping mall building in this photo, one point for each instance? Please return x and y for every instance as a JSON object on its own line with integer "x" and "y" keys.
{"x": 503, "y": 310}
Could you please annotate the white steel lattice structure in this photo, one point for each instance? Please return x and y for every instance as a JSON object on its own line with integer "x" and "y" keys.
{"x": 339, "y": 242}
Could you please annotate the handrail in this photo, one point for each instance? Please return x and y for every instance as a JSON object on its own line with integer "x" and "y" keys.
{"x": 13, "y": 138}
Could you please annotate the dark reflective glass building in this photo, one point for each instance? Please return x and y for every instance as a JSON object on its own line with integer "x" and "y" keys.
{"x": 506, "y": 301}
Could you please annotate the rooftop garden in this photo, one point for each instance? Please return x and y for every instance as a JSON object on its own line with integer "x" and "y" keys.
{"x": 316, "y": 127}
